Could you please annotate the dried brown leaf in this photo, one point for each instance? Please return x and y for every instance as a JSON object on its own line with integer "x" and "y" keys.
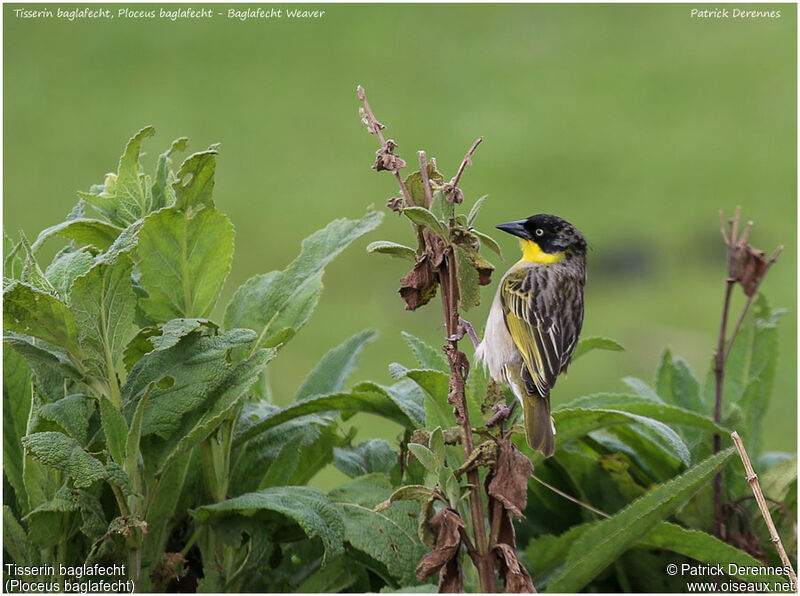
{"x": 419, "y": 286}
{"x": 516, "y": 578}
{"x": 445, "y": 559}
{"x": 509, "y": 481}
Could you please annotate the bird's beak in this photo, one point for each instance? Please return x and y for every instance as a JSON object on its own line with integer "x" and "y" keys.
{"x": 516, "y": 228}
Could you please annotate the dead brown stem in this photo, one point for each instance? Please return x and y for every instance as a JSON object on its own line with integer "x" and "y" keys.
{"x": 459, "y": 365}
{"x": 752, "y": 478}
{"x": 362, "y": 95}
{"x": 426, "y": 183}
{"x": 465, "y": 162}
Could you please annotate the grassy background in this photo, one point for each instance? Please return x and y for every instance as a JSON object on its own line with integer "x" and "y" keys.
{"x": 636, "y": 123}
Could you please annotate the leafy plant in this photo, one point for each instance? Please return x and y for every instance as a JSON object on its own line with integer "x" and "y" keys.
{"x": 638, "y": 460}
{"x": 139, "y": 428}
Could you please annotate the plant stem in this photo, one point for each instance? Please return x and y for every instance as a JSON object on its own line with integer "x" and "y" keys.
{"x": 752, "y": 478}
{"x": 449, "y": 282}
{"x": 466, "y": 161}
{"x": 719, "y": 377}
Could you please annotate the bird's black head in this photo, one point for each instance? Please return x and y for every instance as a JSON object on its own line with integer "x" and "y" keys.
{"x": 552, "y": 234}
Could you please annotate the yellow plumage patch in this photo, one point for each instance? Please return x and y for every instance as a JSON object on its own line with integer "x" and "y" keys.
{"x": 532, "y": 253}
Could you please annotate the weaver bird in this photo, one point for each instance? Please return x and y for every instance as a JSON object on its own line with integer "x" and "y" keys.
{"x": 535, "y": 319}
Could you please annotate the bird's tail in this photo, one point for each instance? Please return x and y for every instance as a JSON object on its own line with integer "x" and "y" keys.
{"x": 538, "y": 425}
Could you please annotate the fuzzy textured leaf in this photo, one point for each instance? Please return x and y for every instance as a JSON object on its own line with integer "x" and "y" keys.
{"x": 427, "y": 356}
{"x": 331, "y": 372}
{"x": 66, "y": 268}
{"x": 185, "y": 258}
{"x": 426, "y": 219}
{"x": 309, "y": 507}
{"x": 61, "y": 452}
{"x": 596, "y": 343}
{"x": 392, "y": 249}
{"x": 356, "y": 401}
{"x": 277, "y": 304}
{"x": 29, "y": 311}
{"x": 603, "y": 543}
{"x": 186, "y": 375}
{"x": 388, "y": 536}
{"x": 103, "y": 304}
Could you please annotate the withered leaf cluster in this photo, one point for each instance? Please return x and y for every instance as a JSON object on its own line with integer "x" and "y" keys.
{"x": 447, "y": 526}
{"x": 746, "y": 265}
{"x": 507, "y": 487}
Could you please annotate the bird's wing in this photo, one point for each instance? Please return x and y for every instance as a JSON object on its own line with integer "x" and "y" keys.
{"x": 530, "y": 305}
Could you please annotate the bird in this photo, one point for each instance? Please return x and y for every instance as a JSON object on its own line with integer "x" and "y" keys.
{"x": 536, "y": 318}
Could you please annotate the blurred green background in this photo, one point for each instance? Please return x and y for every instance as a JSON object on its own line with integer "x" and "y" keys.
{"x": 636, "y": 123}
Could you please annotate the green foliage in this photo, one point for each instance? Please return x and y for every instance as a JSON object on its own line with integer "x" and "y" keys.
{"x": 135, "y": 425}
{"x": 122, "y": 397}
{"x": 604, "y": 542}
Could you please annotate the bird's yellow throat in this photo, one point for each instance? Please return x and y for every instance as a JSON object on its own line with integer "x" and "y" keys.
{"x": 532, "y": 253}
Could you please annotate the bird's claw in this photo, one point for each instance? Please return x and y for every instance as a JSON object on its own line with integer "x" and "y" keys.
{"x": 464, "y": 328}
{"x": 502, "y": 413}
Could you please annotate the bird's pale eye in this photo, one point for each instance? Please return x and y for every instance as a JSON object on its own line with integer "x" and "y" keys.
{"x": 539, "y": 232}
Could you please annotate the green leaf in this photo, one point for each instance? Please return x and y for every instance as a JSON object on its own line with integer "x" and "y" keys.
{"x": 133, "y": 198}
{"x": 603, "y": 543}
{"x": 473, "y": 212}
{"x": 185, "y": 258}
{"x": 436, "y": 444}
{"x": 405, "y": 394}
{"x": 194, "y": 185}
{"x": 425, "y": 456}
{"x": 16, "y": 410}
{"x": 427, "y": 356}
{"x": 635, "y": 404}
{"x": 335, "y": 577}
{"x": 29, "y": 311}
{"x": 277, "y": 304}
{"x": 488, "y": 242}
{"x": 750, "y": 370}
{"x": 390, "y": 536}
{"x": 705, "y": 548}
{"x": 392, "y": 249}
{"x": 16, "y": 542}
{"x": 284, "y": 466}
{"x": 186, "y": 376}
{"x": 547, "y": 552}
{"x": 38, "y": 352}
{"x": 309, "y": 507}
{"x": 61, "y": 452}
{"x": 779, "y": 479}
{"x": 469, "y": 290}
{"x": 115, "y": 429}
{"x": 71, "y": 414}
{"x": 424, "y": 218}
{"x": 356, "y": 401}
{"x": 227, "y": 397}
{"x": 84, "y": 231}
{"x": 330, "y": 374}
{"x": 436, "y": 386}
{"x": 163, "y": 192}
{"x": 103, "y": 304}
{"x": 641, "y": 388}
{"x": 675, "y": 384}
{"x": 31, "y": 273}
{"x": 66, "y": 268}
{"x": 596, "y": 343}
{"x": 415, "y": 184}
{"x": 373, "y": 455}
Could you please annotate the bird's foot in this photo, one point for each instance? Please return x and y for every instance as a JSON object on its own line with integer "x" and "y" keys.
{"x": 465, "y": 328}
{"x": 502, "y": 413}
